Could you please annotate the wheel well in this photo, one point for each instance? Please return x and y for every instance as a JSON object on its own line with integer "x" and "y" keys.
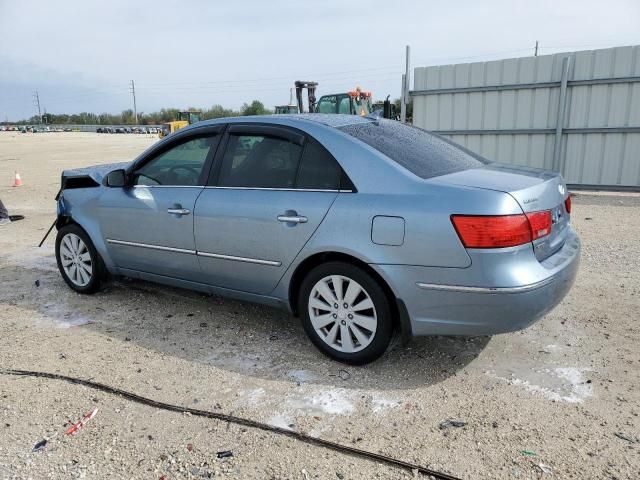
{"x": 319, "y": 258}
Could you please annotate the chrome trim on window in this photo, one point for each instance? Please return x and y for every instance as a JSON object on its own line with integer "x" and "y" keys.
{"x": 280, "y": 189}
{"x": 461, "y": 288}
{"x": 151, "y": 247}
{"x": 167, "y": 186}
{"x": 257, "y": 261}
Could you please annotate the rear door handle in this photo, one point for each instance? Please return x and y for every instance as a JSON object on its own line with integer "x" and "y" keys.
{"x": 178, "y": 211}
{"x": 292, "y": 219}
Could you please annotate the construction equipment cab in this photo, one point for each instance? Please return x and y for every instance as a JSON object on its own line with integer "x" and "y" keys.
{"x": 284, "y": 109}
{"x": 184, "y": 119}
{"x": 355, "y": 102}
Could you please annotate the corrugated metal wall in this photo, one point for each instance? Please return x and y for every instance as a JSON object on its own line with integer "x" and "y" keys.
{"x": 508, "y": 111}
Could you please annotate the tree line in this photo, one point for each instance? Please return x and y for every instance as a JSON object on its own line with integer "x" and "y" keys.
{"x": 127, "y": 117}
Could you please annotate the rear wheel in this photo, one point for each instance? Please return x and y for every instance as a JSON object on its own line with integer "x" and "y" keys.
{"x": 345, "y": 312}
{"x": 78, "y": 261}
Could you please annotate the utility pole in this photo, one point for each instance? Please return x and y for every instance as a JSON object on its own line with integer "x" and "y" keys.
{"x": 36, "y": 99}
{"x": 536, "y": 52}
{"x": 133, "y": 92}
{"x": 405, "y": 98}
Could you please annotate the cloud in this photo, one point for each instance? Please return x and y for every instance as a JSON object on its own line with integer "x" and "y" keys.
{"x": 82, "y": 55}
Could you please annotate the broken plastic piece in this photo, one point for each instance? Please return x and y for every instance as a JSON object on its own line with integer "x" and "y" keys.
{"x": 40, "y": 445}
{"x": 225, "y": 454}
{"x": 76, "y": 427}
{"x": 452, "y": 423}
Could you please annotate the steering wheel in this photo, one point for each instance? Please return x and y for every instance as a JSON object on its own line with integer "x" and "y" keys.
{"x": 194, "y": 171}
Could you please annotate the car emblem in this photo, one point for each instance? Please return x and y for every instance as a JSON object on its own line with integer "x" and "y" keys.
{"x": 561, "y": 189}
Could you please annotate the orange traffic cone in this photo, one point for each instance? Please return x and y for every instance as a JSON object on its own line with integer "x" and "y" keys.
{"x": 18, "y": 181}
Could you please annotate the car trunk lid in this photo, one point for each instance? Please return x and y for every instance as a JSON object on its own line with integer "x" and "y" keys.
{"x": 534, "y": 189}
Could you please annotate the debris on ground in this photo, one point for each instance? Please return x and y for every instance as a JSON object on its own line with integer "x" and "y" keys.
{"x": 452, "y": 423}
{"x": 622, "y": 436}
{"x": 224, "y": 454}
{"x": 76, "y": 427}
{"x": 38, "y": 447}
{"x": 545, "y": 468}
{"x": 37, "y": 283}
{"x": 528, "y": 453}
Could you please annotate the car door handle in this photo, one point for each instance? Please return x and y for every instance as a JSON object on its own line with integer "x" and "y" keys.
{"x": 292, "y": 219}
{"x": 178, "y": 211}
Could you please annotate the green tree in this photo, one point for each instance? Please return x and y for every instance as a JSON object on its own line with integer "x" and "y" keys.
{"x": 254, "y": 108}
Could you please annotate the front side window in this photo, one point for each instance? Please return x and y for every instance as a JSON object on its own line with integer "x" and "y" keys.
{"x": 345, "y": 105}
{"x": 328, "y": 104}
{"x": 179, "y": 166}
{"x": 259, "y": 161}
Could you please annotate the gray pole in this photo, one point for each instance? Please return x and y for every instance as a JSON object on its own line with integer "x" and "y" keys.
{"x": 562, "y": 100}
{"x": 536, "y": 52}
{"x": 403, "y": 106}
{"x": 407, "y": 78}
{"x": 135, "y": 110}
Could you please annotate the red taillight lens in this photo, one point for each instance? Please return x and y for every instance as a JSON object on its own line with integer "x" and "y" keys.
{"x": 492, "y": 232}
{"x": 567, "y": 204}
{"x": 540, "y": 223}
{"x": 502, "y": 230}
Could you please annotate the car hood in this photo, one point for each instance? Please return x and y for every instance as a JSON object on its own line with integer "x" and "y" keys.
{"x": 96, "y": 172}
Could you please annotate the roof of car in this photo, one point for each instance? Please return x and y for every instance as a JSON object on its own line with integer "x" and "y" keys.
{"x": 329, "y": 120}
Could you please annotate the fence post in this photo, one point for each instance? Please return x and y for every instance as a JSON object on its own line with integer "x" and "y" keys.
{"x": 558, "y": 165}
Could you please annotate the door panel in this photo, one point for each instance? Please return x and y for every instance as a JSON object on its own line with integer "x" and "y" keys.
{"x": 251, "y": 247}
{"x": 139, "y": 215}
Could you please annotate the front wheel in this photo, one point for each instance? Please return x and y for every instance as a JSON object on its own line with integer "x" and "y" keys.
{"x": 346, "y": 313}
{"x": 78, "y": 261}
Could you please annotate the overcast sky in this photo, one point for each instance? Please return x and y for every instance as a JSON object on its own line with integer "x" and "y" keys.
{"x": 80, "y": 55}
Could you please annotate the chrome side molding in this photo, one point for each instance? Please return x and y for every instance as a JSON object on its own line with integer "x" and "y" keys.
{"x": 240, "y": 259}
{"x": 462, "y": 288}
{"x": 257, "y": 261}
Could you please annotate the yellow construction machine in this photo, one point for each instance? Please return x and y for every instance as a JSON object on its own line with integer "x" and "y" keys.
{"x": 185, "y": 118}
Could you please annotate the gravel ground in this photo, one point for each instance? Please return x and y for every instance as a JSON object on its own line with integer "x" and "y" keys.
{"x": 558, "y": 400}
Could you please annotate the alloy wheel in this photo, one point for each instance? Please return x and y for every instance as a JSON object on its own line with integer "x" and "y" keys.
{"x": 342, "y": 313}
{"x": 76, "y": 260}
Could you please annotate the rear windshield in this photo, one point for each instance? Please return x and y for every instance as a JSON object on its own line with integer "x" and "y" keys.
{"x": 422, "y": 153}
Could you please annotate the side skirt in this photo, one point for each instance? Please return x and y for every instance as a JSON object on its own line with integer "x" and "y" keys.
{"x": 203, "y": 287}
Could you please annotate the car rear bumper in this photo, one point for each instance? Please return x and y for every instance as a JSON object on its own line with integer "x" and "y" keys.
{"x": 517, "y": 291}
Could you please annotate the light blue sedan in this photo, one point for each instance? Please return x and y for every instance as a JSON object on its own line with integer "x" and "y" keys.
{"x": 360, "y": 226}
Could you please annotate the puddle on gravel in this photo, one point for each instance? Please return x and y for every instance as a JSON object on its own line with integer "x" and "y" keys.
{"x": 560, "y": 384}
{"x": 35, "y": 258}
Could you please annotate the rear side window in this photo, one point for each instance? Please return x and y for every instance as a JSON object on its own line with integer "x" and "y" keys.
{"x": 422, "y": 153}
{"x": 259, "y": 161}
{"x": 318, "y": 169}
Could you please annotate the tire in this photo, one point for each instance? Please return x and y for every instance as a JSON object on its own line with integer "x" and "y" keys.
{"x": 74, "y": 248}
{"x": 355, "y": 334}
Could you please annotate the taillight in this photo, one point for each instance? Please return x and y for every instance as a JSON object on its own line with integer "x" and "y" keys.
{"x": 540, "y": 223}
{"x": 481, "y": 231}
{"x": 567, "y": 204}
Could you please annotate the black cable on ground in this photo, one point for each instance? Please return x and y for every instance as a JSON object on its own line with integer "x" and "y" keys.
{"x": 237, "y": 420}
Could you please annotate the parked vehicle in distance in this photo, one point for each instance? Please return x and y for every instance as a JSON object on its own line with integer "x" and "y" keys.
{"x": 360, "y": 226}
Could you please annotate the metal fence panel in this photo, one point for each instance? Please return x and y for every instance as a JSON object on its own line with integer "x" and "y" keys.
{"x": 508, "y": 110}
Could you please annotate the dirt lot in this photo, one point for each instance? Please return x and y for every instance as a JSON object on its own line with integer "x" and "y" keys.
{"x": 559, "y": 400}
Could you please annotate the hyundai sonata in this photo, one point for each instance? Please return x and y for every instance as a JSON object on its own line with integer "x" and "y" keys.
{"x": 360, "y": 226}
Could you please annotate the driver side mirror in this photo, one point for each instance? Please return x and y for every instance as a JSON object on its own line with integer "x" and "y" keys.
{"x": 116, "y": 178}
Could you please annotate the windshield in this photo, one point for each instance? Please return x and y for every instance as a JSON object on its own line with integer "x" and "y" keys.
{"x": 422, "y": 153}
